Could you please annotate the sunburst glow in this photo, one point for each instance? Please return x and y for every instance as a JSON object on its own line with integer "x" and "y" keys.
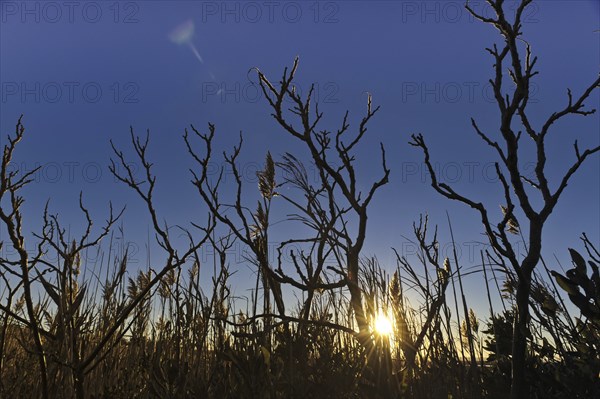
{"x": 383, "y": 325}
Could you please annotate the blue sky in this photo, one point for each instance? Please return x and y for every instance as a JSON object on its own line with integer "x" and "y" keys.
{"x": 83, "y": 73}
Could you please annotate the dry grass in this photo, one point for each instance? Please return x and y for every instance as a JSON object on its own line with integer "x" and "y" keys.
{"x": 182, "y": 342}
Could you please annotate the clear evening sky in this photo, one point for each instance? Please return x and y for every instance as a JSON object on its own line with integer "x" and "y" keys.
{"x": 82, "y": 72}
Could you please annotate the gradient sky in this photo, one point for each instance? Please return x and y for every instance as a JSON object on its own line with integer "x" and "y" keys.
{"x": 83, "y": 73}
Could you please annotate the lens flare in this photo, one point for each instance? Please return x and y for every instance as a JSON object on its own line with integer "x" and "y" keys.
{"x": 183, "y": 34}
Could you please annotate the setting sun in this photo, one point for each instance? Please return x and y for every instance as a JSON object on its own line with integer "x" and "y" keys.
{"x": 383, "y": 325}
